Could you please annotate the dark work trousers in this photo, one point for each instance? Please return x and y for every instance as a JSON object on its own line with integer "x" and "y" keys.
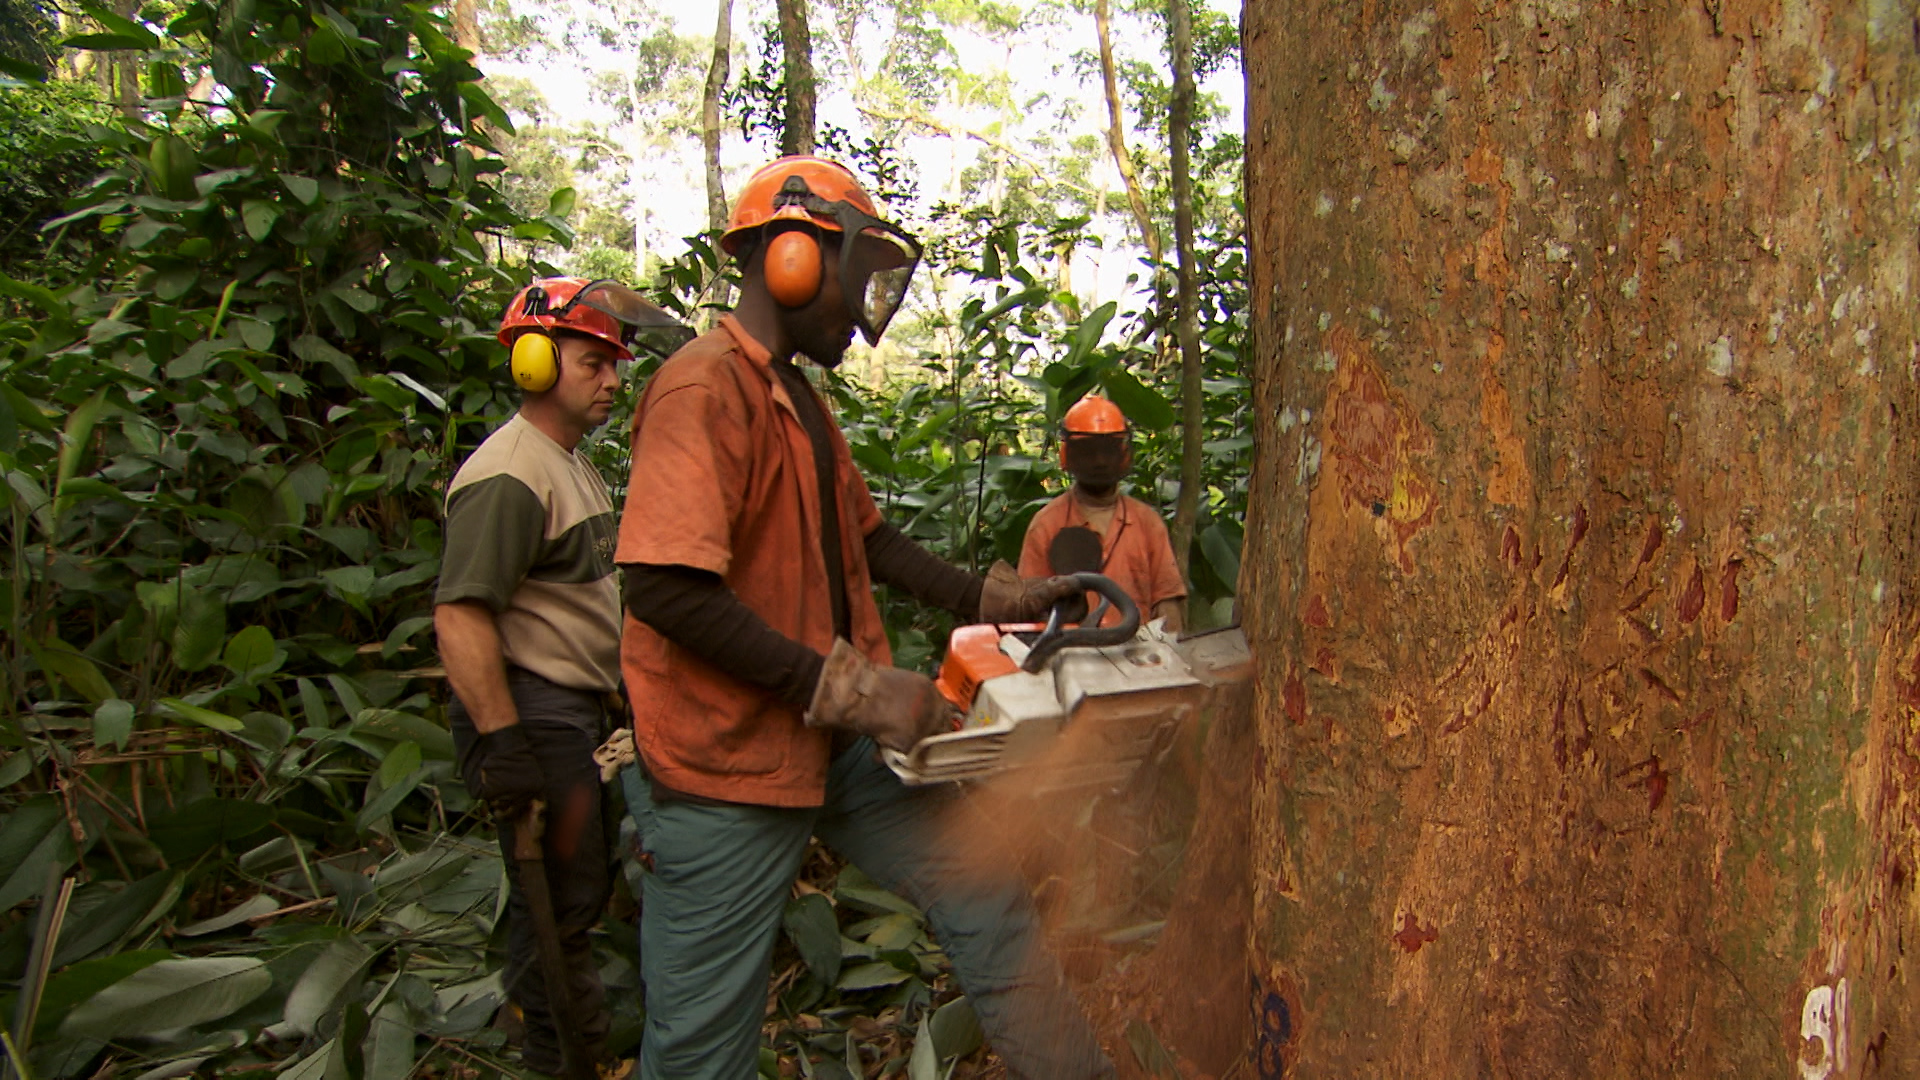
{"x": 564, "y": 725}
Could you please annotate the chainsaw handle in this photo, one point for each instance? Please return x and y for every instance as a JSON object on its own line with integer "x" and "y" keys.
{"x": 1056, "y": 636}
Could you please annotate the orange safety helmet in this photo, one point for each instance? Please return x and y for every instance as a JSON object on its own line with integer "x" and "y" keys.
{"x": 601, "y": 309}
{"x": 787, "y": 203}
{"x": 1094, "y": 415}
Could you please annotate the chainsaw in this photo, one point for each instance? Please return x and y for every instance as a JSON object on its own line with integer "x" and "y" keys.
{"x": 1123, "y": 690}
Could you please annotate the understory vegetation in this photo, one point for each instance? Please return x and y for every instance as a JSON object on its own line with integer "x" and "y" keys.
{"x": 246, "y": 335}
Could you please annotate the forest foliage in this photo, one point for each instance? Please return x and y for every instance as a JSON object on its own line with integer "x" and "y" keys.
{"x": 245, "y": 338}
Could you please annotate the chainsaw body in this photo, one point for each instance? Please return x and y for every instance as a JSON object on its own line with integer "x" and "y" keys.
{"x": 1122, "y": 690}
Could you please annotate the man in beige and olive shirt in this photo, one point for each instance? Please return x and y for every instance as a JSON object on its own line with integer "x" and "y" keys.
{"x": 528, "y": 619}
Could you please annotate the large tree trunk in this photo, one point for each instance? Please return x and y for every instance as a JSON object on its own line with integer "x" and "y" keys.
{"x": 1581, "y": 566}
{"x": 796, "y": 42}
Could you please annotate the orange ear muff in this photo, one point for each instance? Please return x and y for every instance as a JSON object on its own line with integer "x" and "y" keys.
{"x": 536, "y": 362}
{"x": 793, "y": 268}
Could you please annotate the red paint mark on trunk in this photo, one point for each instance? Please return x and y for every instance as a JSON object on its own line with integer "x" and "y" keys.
{"x": 1560, "y": 729}
{"x": 1317, "y": 614}
{"x": 1730, "y": 590}
{"x": 1655, "y": 536}
{"x": 1579, "y": 527}
{"x": 1294, "y": 698}
{"x": 1694, "y": 598}
{"x": 1412, "y": 935}
{"x": 1470, "y": 712}
{"x": 1510, "y": 548}
{"x": 1654, "y": 780}
{"x": 1324, "y": 662}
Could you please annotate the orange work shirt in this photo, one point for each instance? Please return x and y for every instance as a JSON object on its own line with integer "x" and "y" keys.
{"x": 723, "y": 480}
{"x": 1135, "y": 552}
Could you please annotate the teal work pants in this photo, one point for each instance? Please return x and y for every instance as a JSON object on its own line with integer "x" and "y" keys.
{"x": 720, "y": 877}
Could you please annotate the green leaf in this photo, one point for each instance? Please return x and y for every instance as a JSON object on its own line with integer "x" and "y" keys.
{"x": 113, "y": 723}
{"x": 401, "y": 762}
{"x": 252, "y": 653}
{"x": 1142, "y": 404}
{"x": 119, "y": 912}
{"x": 253, "y": 907}
{"x": 205, "y": 824}
{"x": 15, "y": 767}
{"x": 169, "y": 995}
{"x": 561, "y": 203}
{"x": 79, "y": 433}
{"x": 1223, "y": 554}
{"x": 202, "y": 716}
{"x": 326, "y": 983}
{"x": 924, "y": 1062}
{"x": 856, "y": 888}
{"x": 955, "y": 1029}
{"x": 259, "y": 216}
{"x": 304, "y": 188}
{"x": 208, "y": 183}
{"x": 104, "y": 42}
{"x": 24, "y": 410}
{"x": 390, "y": 1049}
{"x": 326, "y": 47}
{"x": 116, "y": 23}
{"x": 34, "y": 839}
{"x": 405, "y": 632}
{"x": 815, "y": 932}
{"x": 315, "y": 350}
{"x": 72, "y": 667}
{"x": 84, "y": 980}
{"x": 870, "y": 977}
{"x": 200, "y": 629}
{"x": 313, "y": 703}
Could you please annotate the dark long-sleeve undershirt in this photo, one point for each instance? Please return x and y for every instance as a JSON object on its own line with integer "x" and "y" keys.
{"x": 697, "y": 611}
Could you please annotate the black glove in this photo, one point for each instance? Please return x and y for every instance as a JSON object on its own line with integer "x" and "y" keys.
{"x": 500, "y": 768}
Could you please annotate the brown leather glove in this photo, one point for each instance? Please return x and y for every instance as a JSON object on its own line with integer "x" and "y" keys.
{"x": 1008, "y": 597}
{"x": 897, "y": 708}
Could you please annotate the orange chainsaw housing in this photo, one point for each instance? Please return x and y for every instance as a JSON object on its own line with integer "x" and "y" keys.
{"x": 973, "y": 657}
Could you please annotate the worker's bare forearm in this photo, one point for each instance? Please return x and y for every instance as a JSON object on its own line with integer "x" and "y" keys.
{"x": 1174, "y": 612}
{"x": 476, "y": 665}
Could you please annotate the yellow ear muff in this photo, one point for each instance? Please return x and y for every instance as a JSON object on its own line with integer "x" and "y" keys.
{"x": 793, "y": 268}
{"x": 536, "y": 362}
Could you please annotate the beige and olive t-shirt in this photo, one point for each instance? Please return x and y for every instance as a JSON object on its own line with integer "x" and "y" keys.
{"x": 530, "y": 533}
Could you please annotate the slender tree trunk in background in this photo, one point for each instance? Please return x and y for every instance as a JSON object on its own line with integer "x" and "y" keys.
{"x": 1117, "y": 133}
{"x": 796, "y": 41}
{"x": 1581, "y": 567}
{"x": 123, "y": 71}
{"x": 717, "y": 73}
{"x": 466, "y": 25}
{"x": 1186, "y": 510}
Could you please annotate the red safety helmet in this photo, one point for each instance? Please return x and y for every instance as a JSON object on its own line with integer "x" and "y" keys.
{"x": 787, "y": 204}
{"x": 602, "y": 309}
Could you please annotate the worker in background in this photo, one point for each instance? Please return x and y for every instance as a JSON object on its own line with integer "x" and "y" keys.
{"x": 527, "y": 613}
{"x": 1094, "y": 526}
{"x": 759, "y": 665}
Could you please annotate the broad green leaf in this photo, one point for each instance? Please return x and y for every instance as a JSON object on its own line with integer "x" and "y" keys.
{"x": 113, "y": 723}
{"x": 955, "y": 1029}
{"x": 311, "y": 1067}
{"x": 870, "y": 977}
{"x": 202, "y": 716}
{"x": 85, "y": 979}
{"x": 313, "y": 703}
{"x": 115, "y": 913}
{"x": 326, "y": 983}
{"x": 25, "y": 411}
{"x": 208, "y": 183}
{"x": 200, "y": 628}
{"x": 72, "y": 667}
{"x": 325, "y": 47}
{"x": 34, "y": 839}
{"x": 815, "y": 933}
{"x": 22, "y": 70}
{"x": 103, "y": 42}
{"x": 1144, "y": 406}
{"x": 79, "y": 433}
{"x": 924, "y": 1062}
{"x": 403, "y": 633}
{"x": 116, "y": 23}
{"x": 205, "y": 824}
{"x": 315, "y": 350}
{"x": 252, "y": 653}
{"x": 174, "y": 166}
{"x": 304, "y": 188}
{"x": 561, "y": 203}
{"x": 15, "y": 767}
{"x": 1223, "y": 554}
{"x": 259, "y": 216}
{"x": 386, "y": 802}
{"x": 400, "y": 763}
{"x": 390, "y": 1044}
{"x": 856, "y": 888}
{"x": 252, "y": 907}
{"x": 169, "y": 995}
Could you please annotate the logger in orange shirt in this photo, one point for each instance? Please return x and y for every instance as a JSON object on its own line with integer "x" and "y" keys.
{"x": 1093, "y": 526}
{"x": 758, "y": 663}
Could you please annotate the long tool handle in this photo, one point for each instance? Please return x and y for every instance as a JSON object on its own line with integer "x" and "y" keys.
{"x": 530, "y": 857}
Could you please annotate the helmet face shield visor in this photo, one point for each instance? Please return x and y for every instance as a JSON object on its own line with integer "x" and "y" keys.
{"x": 875, "y": 269}
{"x": 644, "y": 325}
{"x": 1098, "y": 461}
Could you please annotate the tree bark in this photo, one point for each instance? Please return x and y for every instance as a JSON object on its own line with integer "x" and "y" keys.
{"x": 796, "y": 42}
{"x": 466, "y": 25}
{"x": 717, "y": 71}
{"x": 1117, "y": 133}
{"x": 1186, "y": 510}
{"x": 1581, "y": 564}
